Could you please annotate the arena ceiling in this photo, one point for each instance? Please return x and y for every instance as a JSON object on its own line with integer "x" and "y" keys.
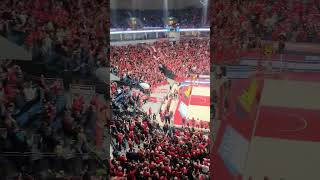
{"x": 155, "y": 4}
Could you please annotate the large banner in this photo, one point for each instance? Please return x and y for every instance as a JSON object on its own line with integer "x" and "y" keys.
{"x": 183, "y": 108}
{"x": 239, "y": 104}
{"x": 194, "y": 104}
{"x": 233, "y": 150}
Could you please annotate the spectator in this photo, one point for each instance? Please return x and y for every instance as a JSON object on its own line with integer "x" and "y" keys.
{"x": 143, "y": 149}
{"x": 240, "y": 26}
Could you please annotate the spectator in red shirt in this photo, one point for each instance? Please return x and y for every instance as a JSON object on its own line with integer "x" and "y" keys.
{"x": 78, "y": 103}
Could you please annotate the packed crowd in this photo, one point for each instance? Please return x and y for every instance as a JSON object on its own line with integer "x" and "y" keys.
{"x": 141, "y": 63}
{"x": 184, "y": 58}
{"x": 239, "y": 26}
{"x": 190, "y": 18}
{"x": 71, "y": 35}
{"x": 135, "y": 64}
{"x": 142, "y": 149}
{"x": 41, "y": 137}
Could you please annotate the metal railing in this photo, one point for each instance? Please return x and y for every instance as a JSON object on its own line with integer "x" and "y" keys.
{"x": 154, "y": 34}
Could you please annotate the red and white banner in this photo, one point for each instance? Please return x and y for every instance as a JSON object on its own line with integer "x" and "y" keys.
{"x": 277, "y": 130}
{"x": 238, "y": 109}
{"x": 194, "y": 104}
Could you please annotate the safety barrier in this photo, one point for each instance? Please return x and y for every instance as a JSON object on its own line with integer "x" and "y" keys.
{"x": 153, "y": 34}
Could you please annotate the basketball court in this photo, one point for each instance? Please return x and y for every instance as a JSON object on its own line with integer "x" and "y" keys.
{"x": 281, "y": 140}
{"x": 195, "y": 106}
{"x": 286, "y": 136}
{"x": 199, "y": 106}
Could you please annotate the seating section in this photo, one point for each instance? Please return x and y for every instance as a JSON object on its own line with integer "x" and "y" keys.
{"x": 241, "y": 26}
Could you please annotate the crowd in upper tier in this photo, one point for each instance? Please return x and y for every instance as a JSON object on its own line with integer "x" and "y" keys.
{"x": 191, "y": 17}
{"x": 239, "y": 26}
{"x": 141, "y": 63}
{"x": 68, "y": 34}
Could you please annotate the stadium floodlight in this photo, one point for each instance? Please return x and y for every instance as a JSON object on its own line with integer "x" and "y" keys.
{"x": 204, "y": 2}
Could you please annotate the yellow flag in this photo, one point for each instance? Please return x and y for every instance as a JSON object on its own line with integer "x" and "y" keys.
{"x": 188, "y": 92}
{"x": 268, "y": 49}
{"x": 247, "y": 98}
{"x": 194, "y": 77}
